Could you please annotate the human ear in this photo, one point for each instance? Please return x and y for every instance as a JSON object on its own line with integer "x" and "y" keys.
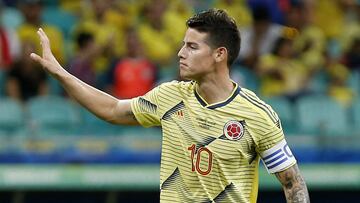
{"x": 220, "y": 54}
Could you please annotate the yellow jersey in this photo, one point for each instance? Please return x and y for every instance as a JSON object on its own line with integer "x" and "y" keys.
{"x": 211, "y": 152}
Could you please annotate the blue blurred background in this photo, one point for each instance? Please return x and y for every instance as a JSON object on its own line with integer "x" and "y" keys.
{"x": 301, "y": 56}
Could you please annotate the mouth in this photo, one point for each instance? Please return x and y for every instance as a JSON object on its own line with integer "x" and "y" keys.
{"x": 181, "y": 64}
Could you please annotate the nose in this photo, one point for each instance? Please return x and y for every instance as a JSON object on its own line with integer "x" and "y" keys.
{"x": 181, "y": 53}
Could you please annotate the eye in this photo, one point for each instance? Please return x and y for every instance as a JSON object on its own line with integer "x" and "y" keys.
{"x": 193, "y": 47}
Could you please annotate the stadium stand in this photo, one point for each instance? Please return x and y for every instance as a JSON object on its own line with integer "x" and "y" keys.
{"x": 320, "y": 115}
{"x": 354, "y": 81}
{"x": 51, "y": 115}
{"x": 54, "y": 87}
{"x": 284, "y": 109}
{"x": 356, "y": 117}
{"x": 91, "y": 125}
{"x": 245, "y": 77}
{"x": 11, "y": 116}
{"x": 11, "y": 17}
{"x": 60, "y": 18}
{"x": 2, "y": 83}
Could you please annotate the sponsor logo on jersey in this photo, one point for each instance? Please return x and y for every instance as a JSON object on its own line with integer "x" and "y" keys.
{"x": 233, "y": 130}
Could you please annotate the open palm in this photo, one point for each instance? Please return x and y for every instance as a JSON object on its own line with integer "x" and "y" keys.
{"x": 48, "y": 61}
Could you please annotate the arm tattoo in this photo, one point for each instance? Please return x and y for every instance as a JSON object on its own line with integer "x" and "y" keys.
{"x": 294, "y": 185}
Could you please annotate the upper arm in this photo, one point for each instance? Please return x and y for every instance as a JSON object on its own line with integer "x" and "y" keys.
{"x": 123, "y": 113}
{"x": 147, "y": 110}
{"x": 293, "y": 184}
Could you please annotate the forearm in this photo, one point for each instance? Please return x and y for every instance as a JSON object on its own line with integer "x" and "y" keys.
{"x": 99, "y": 103}
{"x": 294, "y": 185}
{"x": 297, "y": 192}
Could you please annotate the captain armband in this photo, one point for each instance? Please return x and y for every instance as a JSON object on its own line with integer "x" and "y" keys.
{"x": 278, "y": 158}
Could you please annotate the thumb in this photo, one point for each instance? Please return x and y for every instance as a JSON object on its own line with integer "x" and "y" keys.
{"x": 36, "y": 58}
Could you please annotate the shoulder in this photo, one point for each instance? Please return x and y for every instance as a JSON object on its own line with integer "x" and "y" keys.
{"x": 260, "y": 109}
{"x": 249, "y": 97}
{"x": 171, "y": 93}
{"x": 178, "y": 86}
{"x": 247, "y": 91}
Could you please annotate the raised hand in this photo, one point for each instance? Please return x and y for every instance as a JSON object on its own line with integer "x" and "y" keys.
{"x": 48, "y": 61}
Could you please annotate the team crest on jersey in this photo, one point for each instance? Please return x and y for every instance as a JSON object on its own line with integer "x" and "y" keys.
{"x": 233, "y": 130}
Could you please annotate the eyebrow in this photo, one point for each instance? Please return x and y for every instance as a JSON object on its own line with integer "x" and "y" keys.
{"x": 190, "y": 43}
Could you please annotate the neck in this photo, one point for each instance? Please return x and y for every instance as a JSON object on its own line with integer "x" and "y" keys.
{"x": 215, "y": 89}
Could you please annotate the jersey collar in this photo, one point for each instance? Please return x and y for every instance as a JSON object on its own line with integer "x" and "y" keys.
{"x": 202, "y": 101}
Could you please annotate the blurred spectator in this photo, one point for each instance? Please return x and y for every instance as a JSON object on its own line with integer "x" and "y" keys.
{"x": 181, "y": 8}
{"x": 82, "y": 65}
{"x": 161, "y": 32}
{"x": 325, "y": 9}
{"x": 351, "y": 29}
{"x": 176, "y": 14}
{"x": 9, "y": 45}
{"x": 9, "y": 2}
{"x": 280, "y": 73}
{"x": 133, "y": 75}
{"x": 104, "y": 20}
{"x": 352, "y": 56}
{"x": 309, "y": 42}
{"x": 32, "y": 10}
{"x": 276, "y": 8}
{"x": 70, "y": 5}
{"x": 26, "y": 79}
{"x": 344, "y": 25}
{"x": 338, "y": 88}
{"x": 238, "y": 9}
{"x": 258, "y": 39}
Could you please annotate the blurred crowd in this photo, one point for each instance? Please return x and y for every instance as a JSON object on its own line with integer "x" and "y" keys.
{"x": 289, "y": 48}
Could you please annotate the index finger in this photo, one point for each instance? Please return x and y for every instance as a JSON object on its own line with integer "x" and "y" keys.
{"x": 44, "y": 40}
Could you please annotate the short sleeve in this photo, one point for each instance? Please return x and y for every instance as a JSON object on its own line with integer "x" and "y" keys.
{"x": 273, "y": 148}
{"x": 269, "y": 135}
{"x": 146, "y": 108}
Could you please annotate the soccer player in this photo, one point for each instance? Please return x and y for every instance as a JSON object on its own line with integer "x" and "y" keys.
{"x": 214, "y": 132}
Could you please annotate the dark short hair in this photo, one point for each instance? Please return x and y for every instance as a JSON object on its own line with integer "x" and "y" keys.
{"x": 261, "y": 13}
{"x": 83, "y": 38}
{"x": 279, "y": 43}
{"x": 221, "y": 29}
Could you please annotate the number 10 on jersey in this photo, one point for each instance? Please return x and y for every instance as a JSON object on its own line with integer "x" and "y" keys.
{"x": 196, "y": 165}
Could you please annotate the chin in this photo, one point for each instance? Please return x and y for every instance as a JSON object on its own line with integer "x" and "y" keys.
{"x": 186, "y": 75}
{"x": 183, "y": 77}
